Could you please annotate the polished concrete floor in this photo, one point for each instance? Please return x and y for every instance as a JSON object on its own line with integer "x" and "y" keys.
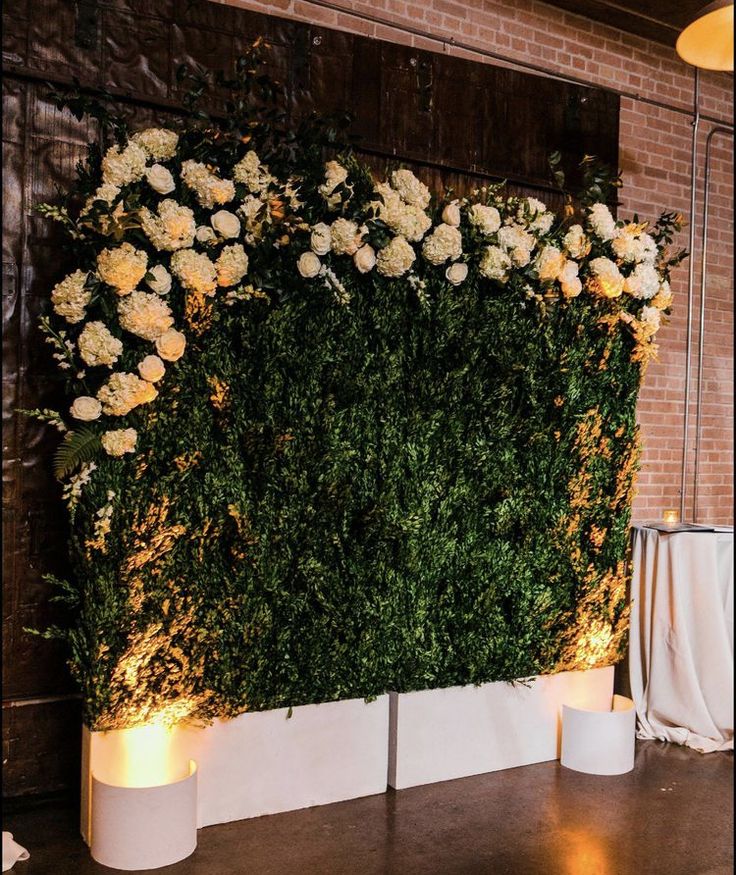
{"x": 673, "y": 815}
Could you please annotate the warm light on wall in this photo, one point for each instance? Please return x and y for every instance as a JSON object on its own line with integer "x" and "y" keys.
{"x": 146, "y": 757}
{"x": 671, "y": 516}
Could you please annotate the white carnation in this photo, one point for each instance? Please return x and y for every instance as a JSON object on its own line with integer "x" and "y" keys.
{"x": 122, "y": 268}
{"x": 443, "y": 244}
{"x": 70, "y": 298}
{"x": 345, "y": 237}
{"x": 410, "y": 189}
{"x": 120, "y": 441}
{"x": 405, "y": 220}
{"x": 195, "y": 271}
{"x": 144, "y": 314}
{"x": 486, "y": 219}
{"x": 650, "y": 320}
{"x": 495, "y": 264}
{"x": 158, "y": 143}
{"x": 123, "y": 167}
{"x": 602, "y": 222}
{"x": 97, "y": 346}
{"x": 123, "y": 392}
{"x": 396, "y": 258}
{"x": 232, "y": 265}
{"x": 575, "y": 242}
{"x": 173, "y": 228}
{"x": 643, "y": 282}
{"x": 517, "y": 242}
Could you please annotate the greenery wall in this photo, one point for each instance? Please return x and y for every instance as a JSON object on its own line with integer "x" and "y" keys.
{"x": 346, "y": 487}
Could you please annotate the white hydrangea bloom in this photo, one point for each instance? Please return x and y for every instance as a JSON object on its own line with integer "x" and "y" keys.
{"x": 209, "y": 188}
{"x": 158, "y": 143}
{"x": 650, "y": 320}
{"x": 97, "y": 346}
{"x": 495, "y": 264}
{"x": 396, "y": 258}
{"x": 569, "y": 280}
{"x": 173, "y": 228}
{"x": 486, "y": 219}
{"x": 251, "y": 173}
{"x": 549, "y": 263}
{"x": 518, "y": 243}
{"x": 120, "y": 441}
{"x": 232, "y": 265}
{"x": 121, "y": 168}
{"x": 445, "y": 242}
{"x": 410, "y": 189}
{"x": 106, "y": 192}
{"x": 345, "y": 237}
{"x": 405, "y": 220}
{"x": 663, "y": 299}
{"x": 576, "y": 242}
{"x": 122, "y": 267}
{"x": 70, "y": 298}
{"x": 643, "y": 282}
{"x": 335, "y": 174}
{"x": 194, "y": 271}
{"x": 605, "y": 278}
{"x": 602, "y": 222}
{"x": 145, "y": 314}
{"x": 123, "y": 392}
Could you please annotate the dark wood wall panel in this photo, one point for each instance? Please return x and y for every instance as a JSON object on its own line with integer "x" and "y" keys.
{"x": 457, "y": 123}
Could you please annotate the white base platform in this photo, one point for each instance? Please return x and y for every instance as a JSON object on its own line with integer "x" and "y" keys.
{"x": 264, "y": 763}
{"x": 439, "y": 735}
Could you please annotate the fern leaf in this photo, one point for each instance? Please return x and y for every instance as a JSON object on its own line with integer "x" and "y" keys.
{"x": 76, "y": 448}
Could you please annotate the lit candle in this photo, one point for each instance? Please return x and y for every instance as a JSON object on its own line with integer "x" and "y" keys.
{"x": 671, "y": 516}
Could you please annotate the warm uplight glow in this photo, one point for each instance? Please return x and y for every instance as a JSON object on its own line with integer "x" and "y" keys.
{"x": 593, "y": 647}
{"x": 671, "y": 516}
{"x": 708, "y": 41}
{"x": 585, "y": 854}
{"x": 146, "y": 757}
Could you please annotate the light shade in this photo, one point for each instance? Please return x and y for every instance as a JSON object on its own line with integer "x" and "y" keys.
{"x": 707, "y": 42}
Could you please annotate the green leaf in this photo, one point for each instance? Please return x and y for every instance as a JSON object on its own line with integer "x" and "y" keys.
{"x": 77, "y": 448}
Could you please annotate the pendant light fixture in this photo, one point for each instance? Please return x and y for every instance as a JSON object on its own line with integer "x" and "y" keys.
{"x": 707, "y": 42}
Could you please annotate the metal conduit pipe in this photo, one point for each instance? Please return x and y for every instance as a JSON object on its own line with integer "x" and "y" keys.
{"x": 690, "y": 281}
{"x": 701, "y": 338}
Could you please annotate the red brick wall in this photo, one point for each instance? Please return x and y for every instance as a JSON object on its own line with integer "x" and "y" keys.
{"x": 655, "y": 154}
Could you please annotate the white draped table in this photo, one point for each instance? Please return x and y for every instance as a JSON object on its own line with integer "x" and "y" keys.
{"x": 681, "y": 637}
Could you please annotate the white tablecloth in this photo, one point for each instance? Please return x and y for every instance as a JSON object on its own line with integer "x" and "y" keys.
{"x": 681, "y": 638}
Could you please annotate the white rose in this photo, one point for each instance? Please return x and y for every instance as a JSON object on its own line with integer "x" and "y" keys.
{"x": 457, "y": 273}
{"x": 170, "y": 346}
{"x": 151, "y": 368}
{"x": 86, "y": 408}
{"x": 365, "y": 258}
{"x": 308, "y": 265}
{"x": 160, "y": 179}
{"x": 225, "y": 223}
{"x": 161, "y": 282}
{"x": 205, "y": 234}
{"x": 321, "y": 239}
{"x": 451, "y": 215}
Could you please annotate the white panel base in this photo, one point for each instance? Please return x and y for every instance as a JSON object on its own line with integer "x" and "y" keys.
{"x": 439, "y": 735}
{"x": 263, "y": 763}
{"x": 599, "y": 742}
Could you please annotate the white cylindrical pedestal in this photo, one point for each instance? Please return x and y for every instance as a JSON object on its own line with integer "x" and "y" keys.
{"x": 144, "y": 827}
{"x": 599, "y": 742}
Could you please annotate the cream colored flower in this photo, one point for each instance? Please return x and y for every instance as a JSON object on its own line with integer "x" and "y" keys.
{"x": 444, "y": 243}
{"x": 70, "y": 298}
{"x": 86, "y": 408}
{"x": 663, "y": 299}
{"x": 308, "y": 265}
{"x": 208, "y": 187}
{"x": 602, "y": 222}
{"x": 486, "y": 219}
{"x": 205, "y": 234}
{"x": 495, "y": 264}
{"x": 145, "y": 315}
{"x": 405, "y": 220}
{"x": 643, "y": 282}
{"x": 535, "y": 213}
{"x": 335, "y": 175}
{"x": 97, "y": 346}
{"x": 120, "y": 441}
{"x": 161, "y": 282}
{"x": 123, "y": 392}
{"x": 320, "y": 240}
{"x": 650, "y": 320}
{"x": 345, "y": 237}
{"x": 451, "y": 214}
{"x": 569, "y": 280}
{"x": 232, "y": 265}
{"x": 123, "y": 167}
{"x": 410, "y": 189}
{"x": 158, "y": 143}
{"x": 226, "y": 224}
{"x": 518, "y": 243}
{"x": 122, "y": 268}
{"x": 396, "y": 258}
{"x": 576, "y": 242}
{"x": 173, "y": 228}
{"x": 605, "y": 279}
{"x": 457, "y": 273}
{"x": 549, "y": 263}
{"x": 194, "y": 271}
{"x": 252, "y": 173}
{"x": 160, "y": 179}
{"x": 365, "y": 258}
{"x": 151, "y": 368}
{"x": 170, "y": 346}
{"x": 106, "y": 192}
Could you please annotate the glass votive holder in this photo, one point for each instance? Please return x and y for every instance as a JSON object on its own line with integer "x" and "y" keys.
{"x": 671, "y": 517}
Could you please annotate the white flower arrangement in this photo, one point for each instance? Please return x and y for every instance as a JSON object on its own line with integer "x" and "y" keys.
{"x": 70, "y": 297}
{"x": 145, "y": 314}
{"x": 97, "y": 346}
{"x": 122, "y": 267}
{"x": 173, "y": 228}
